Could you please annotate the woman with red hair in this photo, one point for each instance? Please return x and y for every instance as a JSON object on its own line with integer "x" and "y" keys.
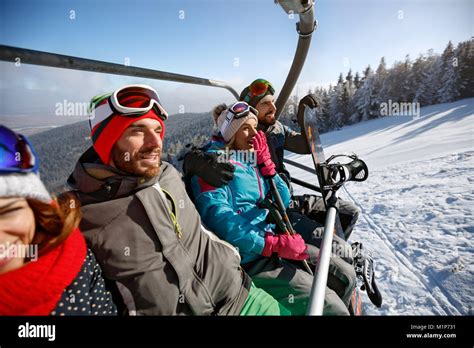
{"x": 45, "y": 266}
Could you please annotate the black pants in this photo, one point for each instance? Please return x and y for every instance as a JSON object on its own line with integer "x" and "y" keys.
{"x": 313, "y": 207}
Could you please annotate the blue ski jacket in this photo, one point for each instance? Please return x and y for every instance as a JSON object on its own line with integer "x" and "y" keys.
{"x": 232, "y": 211}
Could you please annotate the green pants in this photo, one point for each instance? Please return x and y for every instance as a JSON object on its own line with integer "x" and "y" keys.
{"x": 290, "y": 285}
{"x": 259, "y": 302}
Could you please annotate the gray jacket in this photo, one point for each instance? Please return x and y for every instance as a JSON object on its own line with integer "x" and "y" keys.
{"x": 148, "y": 237}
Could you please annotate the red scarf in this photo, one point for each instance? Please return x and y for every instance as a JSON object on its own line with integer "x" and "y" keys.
{"x": 35, "y": 288}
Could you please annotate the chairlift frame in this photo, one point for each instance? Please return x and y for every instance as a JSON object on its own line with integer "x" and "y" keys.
{"x": 305, "y": 29}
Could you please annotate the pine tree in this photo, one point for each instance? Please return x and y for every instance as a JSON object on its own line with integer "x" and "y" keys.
{"x": 366, "y": 105}
{"x": 416, "y": 78}
{"x": 349, "y": 78}
{"x": 335, "y": 104}
{"x": 320, "y": 94}
{"x": 288, "y": 115}
{"x": 357, "y": 81}
{"x": 352, "y": 89}
{"x": 325, "y": 112}
{"x": 355, "y": 116}
{"x": 340, "y": 79}
{"x": 347, "y": 98}
{"x": 407, "y": 89}
{"x": 381, "y": 92}
{"x": 450, "y": 83}
{"x": 394, "y": 83}
{"x": 430, "y": 80}
{"x": 330, "y": 119}
{"x": 345, "y": 105}
{"x": 465, "y": 54}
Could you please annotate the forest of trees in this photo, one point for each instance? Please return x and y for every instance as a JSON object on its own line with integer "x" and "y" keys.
{"x": 429, "y": 79}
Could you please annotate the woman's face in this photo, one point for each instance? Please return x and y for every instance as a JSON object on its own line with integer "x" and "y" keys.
{"x": 17, "y": 227}
{"x": 245, "y": 134}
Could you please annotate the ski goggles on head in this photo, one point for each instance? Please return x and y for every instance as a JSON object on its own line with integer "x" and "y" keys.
{"x": 259, "y": 88}
{"x": 235, "y": 111}
{"x": 16, "y": 153}
{"x": 241, "y": 109}
{"x": 130, "y": 100}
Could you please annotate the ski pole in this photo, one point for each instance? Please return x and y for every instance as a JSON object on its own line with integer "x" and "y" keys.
{"x": 284, "y": 215}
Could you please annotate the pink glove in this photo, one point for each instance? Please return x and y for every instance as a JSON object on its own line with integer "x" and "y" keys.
{"x": 264, "y": 160}
{"x": 286, "y": 246}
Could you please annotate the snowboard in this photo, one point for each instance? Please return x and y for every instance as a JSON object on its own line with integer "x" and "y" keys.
{"x": 319, "y": 161}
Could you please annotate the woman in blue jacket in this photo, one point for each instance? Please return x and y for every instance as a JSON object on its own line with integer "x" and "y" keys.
{"x": 234, "y": 212}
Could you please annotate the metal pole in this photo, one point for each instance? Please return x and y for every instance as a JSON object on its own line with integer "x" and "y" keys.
{"x": 305, "y": 28}
{"x": 305, "y": 184}
{"x": 318, "y": 290}
{"x": 300, "y": 166}
{"x": 26, "y": 56}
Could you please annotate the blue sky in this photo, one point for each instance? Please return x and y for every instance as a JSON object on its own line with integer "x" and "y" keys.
{"x": 209, "y": 40}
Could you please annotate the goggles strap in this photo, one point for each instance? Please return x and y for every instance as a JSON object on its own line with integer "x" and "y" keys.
{"x": 100, "y": 113}
{"x": 28, "y": 152}
{"x": 228, "y": 119}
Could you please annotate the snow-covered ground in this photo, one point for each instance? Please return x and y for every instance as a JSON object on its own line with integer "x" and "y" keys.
{"x": 417, "y": 206}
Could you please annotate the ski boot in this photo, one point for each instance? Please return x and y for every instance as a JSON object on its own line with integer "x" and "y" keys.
{"x": 365, "y": 271}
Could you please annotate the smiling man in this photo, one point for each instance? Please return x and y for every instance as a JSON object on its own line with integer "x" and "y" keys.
{"x": 143, "y": 228}
{"x": 143, "y": 139}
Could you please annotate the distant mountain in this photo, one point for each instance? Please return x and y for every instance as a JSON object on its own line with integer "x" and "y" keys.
{"x": 60, "y": 148}
{"x": 28, "y": 125}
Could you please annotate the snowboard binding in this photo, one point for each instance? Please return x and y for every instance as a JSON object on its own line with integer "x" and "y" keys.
{"x": 336, "y": 174}
{"x": 365, "y": 272}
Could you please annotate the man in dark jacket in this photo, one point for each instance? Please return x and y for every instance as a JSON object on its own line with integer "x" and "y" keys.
{"x": 143, "y": 228}
{"x": 260, "y": 95}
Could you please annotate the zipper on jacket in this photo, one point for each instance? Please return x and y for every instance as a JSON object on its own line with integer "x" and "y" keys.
{"x": 174, "y": 218}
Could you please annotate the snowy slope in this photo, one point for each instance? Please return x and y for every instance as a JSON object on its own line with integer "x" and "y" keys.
{"x": 417, "y": 206}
